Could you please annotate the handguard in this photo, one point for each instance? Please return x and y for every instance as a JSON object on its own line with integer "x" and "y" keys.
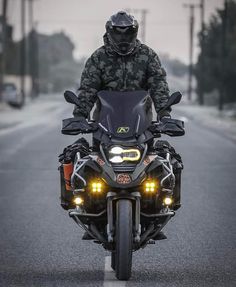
{"x": 170, "y": 127}
{"x": 75, "y": 126}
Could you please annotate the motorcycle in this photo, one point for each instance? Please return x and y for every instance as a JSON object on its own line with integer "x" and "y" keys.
{"x": 124, "y": 188}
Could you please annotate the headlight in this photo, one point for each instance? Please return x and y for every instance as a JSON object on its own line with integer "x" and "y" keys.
{"x": 118, "y": 154}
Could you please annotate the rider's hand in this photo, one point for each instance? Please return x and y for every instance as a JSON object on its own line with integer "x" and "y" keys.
{"x": 84, "y": 126}
{"x": 165, "y": 115}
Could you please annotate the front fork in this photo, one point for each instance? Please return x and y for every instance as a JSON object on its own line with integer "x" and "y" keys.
{"x": 114, "y": 196}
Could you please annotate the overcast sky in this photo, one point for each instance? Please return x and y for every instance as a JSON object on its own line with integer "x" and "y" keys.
{"x": 167, "y": 25}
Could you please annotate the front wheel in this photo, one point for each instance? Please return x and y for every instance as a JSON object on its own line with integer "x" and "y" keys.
{"x": 123, "y": 239}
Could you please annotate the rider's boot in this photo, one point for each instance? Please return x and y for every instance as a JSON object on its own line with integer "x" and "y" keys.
{"x": 160, "y": 236}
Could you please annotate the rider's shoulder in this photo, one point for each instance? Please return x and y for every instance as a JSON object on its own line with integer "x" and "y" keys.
{"x": 146, "y": 54}
{"x": 96, "y": 56}
{"x": 145, "y": 49}
{"x": 98, "y": 53}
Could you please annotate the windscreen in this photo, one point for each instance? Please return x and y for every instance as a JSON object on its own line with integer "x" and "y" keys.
{"x": 125, "y": 114}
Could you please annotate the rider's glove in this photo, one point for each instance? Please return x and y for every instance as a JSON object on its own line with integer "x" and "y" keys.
{"x": 164, "y": 115}
{"x": 84, "y": 126}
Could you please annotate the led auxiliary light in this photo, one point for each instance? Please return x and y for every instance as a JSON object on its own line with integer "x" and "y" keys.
{"x": 118, "y": 154}
{"x": 96, "y": 187}
{"x": 150, "y": 186}
{"x": 168, "y": 201}
{"x": 78, "y": 200}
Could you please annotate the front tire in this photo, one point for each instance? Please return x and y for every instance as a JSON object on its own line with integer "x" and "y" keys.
{"x": 124, "y": 239}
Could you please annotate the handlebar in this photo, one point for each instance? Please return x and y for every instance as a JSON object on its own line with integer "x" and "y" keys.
{"x": 171, "y": 127}
{"x": 74, "y": 126}
{"x": 168, "y": 126}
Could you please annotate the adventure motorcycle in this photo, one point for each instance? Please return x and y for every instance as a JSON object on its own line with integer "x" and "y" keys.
{"x": 124, "y": 188}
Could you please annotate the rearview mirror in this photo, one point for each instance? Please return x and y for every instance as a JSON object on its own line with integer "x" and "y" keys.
{"x": 173, "y": 100}
{"x": 70, "y": 97}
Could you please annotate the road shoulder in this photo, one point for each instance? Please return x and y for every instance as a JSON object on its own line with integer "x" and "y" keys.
{"x": 211, "y": 118}
{"x": 32, "y": 113}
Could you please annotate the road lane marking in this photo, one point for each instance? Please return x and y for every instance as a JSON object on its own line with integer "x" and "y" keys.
{"x": 42, "y": 126}
{"x": 109, "y": 275}
{"x": 27, "y": 139}
{"x": 44, "y": 119}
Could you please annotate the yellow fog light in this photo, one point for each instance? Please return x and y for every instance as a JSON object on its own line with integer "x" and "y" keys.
{"x": 150, "y": 186}
{"x": 167, "y": 201}
{"x": 96, "y": 187}
{"x": 78, "y": 200}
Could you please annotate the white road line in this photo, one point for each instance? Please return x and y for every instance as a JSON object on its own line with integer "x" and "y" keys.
{"x": 44, "y": 119}
{"x": 109, "y": 276}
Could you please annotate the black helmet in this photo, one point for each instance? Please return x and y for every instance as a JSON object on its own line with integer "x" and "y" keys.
{"x": 122, "y": 30}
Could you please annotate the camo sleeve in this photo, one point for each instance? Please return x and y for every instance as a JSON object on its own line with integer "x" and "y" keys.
{"x": 156, "y": 81}
{"x": 89, "y": 86}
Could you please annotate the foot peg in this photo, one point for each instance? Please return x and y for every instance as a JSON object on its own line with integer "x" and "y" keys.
{"x": 87, "y": 236}
{"x": 151, "y": 241}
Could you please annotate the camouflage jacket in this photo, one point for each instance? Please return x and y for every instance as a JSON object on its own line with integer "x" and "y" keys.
{"x": 106, "y": 70}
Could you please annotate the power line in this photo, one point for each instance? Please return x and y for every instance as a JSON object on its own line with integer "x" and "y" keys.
{"x": 99, "y": 22}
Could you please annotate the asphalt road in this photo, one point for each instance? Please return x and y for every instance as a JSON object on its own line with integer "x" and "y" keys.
{"x": 41, "y": 246}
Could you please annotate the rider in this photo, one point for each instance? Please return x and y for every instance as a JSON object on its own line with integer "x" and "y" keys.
{"x": 123, "y": 63}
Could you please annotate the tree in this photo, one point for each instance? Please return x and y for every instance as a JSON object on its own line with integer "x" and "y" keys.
{"x": 56, "y": 66}
{"x": 219, "y": 73}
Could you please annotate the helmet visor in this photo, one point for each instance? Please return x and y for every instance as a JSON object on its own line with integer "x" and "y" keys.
{"x": 124, "y": 34}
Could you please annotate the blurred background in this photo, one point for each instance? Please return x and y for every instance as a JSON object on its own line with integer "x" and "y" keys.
{"x": 44, "y": 44}
{"x": 43, "y": 47}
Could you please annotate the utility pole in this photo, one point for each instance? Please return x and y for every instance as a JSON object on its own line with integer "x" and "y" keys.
{"x": 143, "y": 24}
{"x": 33, "y": 51}
{"x": 3, "y": 26}
{"x": 202, "y": 60}
{"x": 223, "y": 56}
{"x": 191, "y": 7}
{"x": 35, "y": 63}
{"x": 143, "y": 13}
{"x": 22, "y": 52}
{"x": 31, "y": 14}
